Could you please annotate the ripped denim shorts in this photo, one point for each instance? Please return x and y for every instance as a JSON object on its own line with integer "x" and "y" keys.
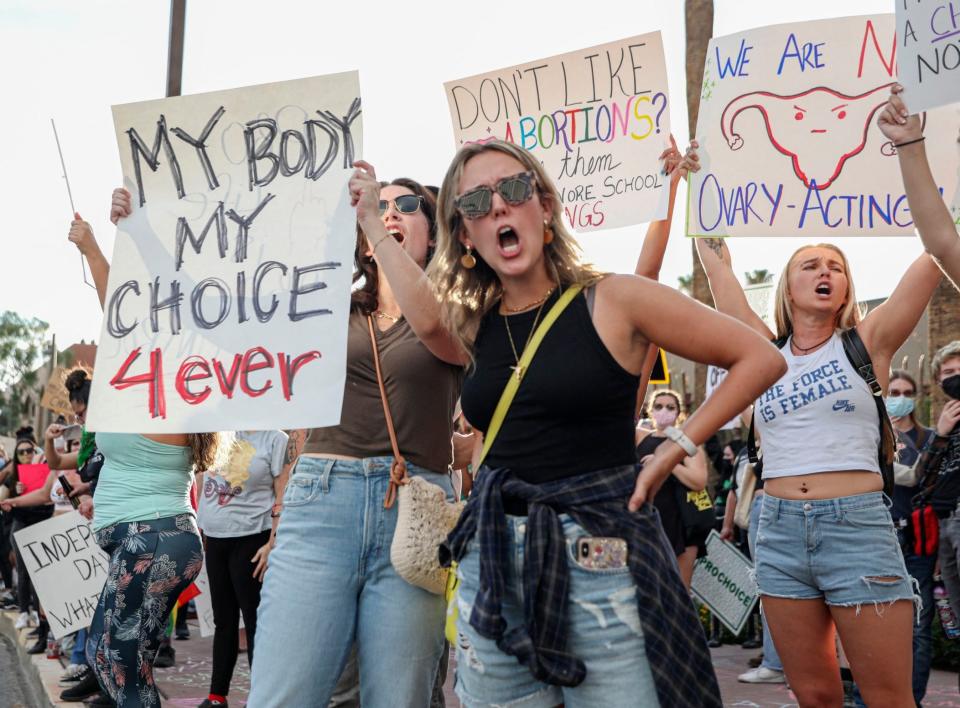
{"x": 843, "y": 550}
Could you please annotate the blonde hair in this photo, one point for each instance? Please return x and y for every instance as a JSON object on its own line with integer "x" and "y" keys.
{"x": 681, "y": 409}
{"x": 467, "y": 294}
{"x": 848, "y": 316}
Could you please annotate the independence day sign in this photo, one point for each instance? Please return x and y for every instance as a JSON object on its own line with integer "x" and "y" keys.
{"x": 789, "y": 144}
{"x": 229, "y": 285}
{"x": 597, "y": 119}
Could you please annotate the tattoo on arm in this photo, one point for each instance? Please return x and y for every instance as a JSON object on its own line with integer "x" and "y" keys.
{"x": 715, "y": 245}
{"x": 294, "y": 445}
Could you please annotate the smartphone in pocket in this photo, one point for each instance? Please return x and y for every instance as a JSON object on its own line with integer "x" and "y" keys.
{"x": 600, "y": 552}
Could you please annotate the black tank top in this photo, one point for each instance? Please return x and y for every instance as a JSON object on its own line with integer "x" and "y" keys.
{"x": 667, "y": 499}
{"x": 573, "y": 412}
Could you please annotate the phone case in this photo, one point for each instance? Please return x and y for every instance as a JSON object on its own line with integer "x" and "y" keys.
{"x": 600, "y": 553}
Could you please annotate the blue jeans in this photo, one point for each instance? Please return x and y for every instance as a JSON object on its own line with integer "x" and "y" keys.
{"x": 604, "y": 631}
{"x": 79, "y": 654}
{"x": 771, "y": 660}
{"x": 330, "y": 583}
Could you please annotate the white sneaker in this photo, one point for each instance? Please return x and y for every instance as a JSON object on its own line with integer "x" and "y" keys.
{"x": 73, "y": 673}
{"x": 762, "y": 674}
{"x": 23, "y": 621}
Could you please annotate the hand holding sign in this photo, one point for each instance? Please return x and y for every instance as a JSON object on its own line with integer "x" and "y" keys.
{"x": 895, "y": 121}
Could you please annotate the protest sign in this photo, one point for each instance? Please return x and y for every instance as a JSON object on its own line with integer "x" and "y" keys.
{"x": 715, "y": 376}
{"x": 55, "y": 397}
{"x": 33, "y": 476}
{"x": 789, "y": 143}
{"x": 597, "y": 119}
{"x": 67, "y": 568}
{"x": 204, "y": 603}
{"x": 229, "y": 287}
{"x": 722, "y": 581}
{"x": 928, "y": 35}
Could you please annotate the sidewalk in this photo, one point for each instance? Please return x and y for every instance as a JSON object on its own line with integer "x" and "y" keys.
{"x": 186, "y": 683}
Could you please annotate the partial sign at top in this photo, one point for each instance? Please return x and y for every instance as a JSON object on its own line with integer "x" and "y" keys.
{"x": 789, "y": 143}
{"x": 928, "y": 32}
{"x": 597, "y": 119}
{"x": 229, "y": 286}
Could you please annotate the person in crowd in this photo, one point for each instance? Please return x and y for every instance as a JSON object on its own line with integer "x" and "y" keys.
{"x": 26, "y": 509}
{"x": 826, "y": 546}
{"x": 7, "y": 598}
{"x": 939, "y": 467}
{"x": 239, "y": 511}
{"x": 149, "y": 532}
{"x": 566, "y": 444}
{"x": 331, "y": 583}
{"x": 936, "y": 226}
{"x": 666, "y": 410}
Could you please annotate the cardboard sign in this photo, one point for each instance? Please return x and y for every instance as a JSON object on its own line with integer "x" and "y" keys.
{"x": 33, "y": 476}
{"x": 722, "y": 581}
{"x": 789, "y": 143}
{"x": 597, "y": 119}
{"x": 928, "y": 37}
{"x": 55, "y": 397}
{"x": 230, "y": 282}
{"x": 67, "y": 568}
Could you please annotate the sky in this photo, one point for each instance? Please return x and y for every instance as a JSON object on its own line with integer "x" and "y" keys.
{"x": 72, "y": 61}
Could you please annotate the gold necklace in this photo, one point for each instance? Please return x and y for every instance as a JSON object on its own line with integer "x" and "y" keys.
{"x": 518, "y": 369}
{"x": 384, "y": 316}
{"x": 542, "y": 300}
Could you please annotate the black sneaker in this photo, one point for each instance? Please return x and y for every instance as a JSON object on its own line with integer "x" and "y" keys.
{"x": 166, "y": 657}
{"x": 86, "y": 687}
{"x": 207, "y": 703}
{"x": 101, "y": 700}
{"x": 40, "y": 647}
{"x": 183, "y": 632}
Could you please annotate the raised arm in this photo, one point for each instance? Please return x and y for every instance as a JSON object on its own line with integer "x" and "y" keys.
{"x": 55, "y": 460}
{"x": 886, "y": 328}
{"x": 415, "y": 295}
{"x": 82, "y": 236}
{"x": 658, "y": 232}
{"x": 931, "y": 216}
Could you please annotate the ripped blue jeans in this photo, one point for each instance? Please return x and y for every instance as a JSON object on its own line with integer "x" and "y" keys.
{"x": 842, "y": 550}
{"x": 604, "y": 631}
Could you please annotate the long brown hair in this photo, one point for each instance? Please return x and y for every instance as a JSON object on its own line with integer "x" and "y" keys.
{"x": 207, "y": 449}
{"x": 365, "y": 298}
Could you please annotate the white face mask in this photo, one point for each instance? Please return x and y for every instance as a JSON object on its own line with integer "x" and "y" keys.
{"x": 664, "y": 418}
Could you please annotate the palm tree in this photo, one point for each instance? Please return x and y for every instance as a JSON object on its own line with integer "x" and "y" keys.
{"x": 759, "y": 276}
{"x": 685, "y": 283}
{"x": 698, "y": 16}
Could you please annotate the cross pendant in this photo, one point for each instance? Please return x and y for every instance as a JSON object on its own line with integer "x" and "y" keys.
{"x": 518, "y": 371}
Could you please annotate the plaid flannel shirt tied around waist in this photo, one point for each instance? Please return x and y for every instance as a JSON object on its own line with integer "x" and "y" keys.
{"x": 675, "y": 643}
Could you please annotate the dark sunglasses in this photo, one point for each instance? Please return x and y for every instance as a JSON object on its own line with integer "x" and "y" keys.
{"x": 405, "y": 204}
{"x": 25, "y": 451}
{"x": 514, "y": 190}
{"x": 906, "y": 392}
{"x": 661, "y": 406}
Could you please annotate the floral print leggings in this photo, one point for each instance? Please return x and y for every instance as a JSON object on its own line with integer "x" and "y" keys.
{"x": 151, "y": 563}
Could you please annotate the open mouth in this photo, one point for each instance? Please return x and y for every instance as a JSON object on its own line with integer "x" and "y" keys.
{"x": 396, "y": 234}
{"x": 508, "y": 241}
{"x": 823, "y": 289}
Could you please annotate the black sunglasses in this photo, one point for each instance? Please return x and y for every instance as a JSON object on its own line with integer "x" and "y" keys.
{"x": 405, "y": 204}
{"x": 478, "y": 202}
{"x": 25, "y": 451}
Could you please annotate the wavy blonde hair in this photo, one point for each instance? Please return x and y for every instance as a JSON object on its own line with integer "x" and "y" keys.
{"x": 468, "y": 294}
{"x": 675, "y": 395}
{"x": 848, "y": 316}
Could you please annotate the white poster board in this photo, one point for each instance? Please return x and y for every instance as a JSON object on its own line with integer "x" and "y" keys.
{"x": 715, "y": 377}
{"x": 230, "y": 282}
{"x": 67, "y": 568}
{"x": 928, "y": 36}
{"x": 597, "y": 119}
{"x": 722, "y": 581}
{"x": 789, "y": 144}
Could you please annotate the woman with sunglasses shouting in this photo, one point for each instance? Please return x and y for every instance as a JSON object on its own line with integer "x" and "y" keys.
{"x": 331, "y": 583}
{"x": 668, "y": 415}
{"x": 539, "y": 623}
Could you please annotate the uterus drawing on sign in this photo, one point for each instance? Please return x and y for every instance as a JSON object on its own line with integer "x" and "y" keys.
{"x": 818, "y": 129}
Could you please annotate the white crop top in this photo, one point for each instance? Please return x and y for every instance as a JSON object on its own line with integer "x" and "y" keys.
{"x": 820, "y": 416}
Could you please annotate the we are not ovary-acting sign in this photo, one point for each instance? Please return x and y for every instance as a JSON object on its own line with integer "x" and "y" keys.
{"x": 229, "y": 285}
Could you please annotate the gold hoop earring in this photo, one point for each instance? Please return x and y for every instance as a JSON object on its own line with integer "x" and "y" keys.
{"x": 467, "y": 260}
{"x": 547, "y": 233}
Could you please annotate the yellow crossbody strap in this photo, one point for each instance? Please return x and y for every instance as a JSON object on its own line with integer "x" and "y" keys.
{"x": 513, "y": 383}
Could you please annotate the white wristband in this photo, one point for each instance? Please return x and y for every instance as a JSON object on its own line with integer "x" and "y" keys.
{"x": 680, "y": 439}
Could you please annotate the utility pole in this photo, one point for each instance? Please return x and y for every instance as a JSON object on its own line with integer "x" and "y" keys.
{"x": 698, "y": 15}
{"x": 178, "y": 21}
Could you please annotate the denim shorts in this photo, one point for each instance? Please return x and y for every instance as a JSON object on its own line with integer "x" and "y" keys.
{"x": 842, "y": 550}
{"x": 604, "y": 631}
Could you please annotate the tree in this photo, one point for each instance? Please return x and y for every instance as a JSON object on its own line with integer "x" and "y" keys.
{"x": 758, "y": 277}
{"x": 685, "y": 283}
{"x": 21, "y": 351}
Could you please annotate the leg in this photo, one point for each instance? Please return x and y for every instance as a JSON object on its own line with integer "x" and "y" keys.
{"x": 949, "y": 555}
{"x": 687, "y": 560}
{"x": 875, "y": 643}
{"x": 803, "y": 632}
{"x": 246, "y": 587}
{"x": 24, "y": 588}
{"x": 347, "y": 692}
{"x": 309, "y": 597}
{"x": 921, "y": 569}
{"x": 771, "y": 660}
{"x": 226, "y": 614}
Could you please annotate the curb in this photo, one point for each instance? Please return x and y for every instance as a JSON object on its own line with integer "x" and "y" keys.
{"x": 41, "y": 674}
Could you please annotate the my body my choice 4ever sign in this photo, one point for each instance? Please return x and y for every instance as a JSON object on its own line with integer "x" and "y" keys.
{"x": 229, "y": 286}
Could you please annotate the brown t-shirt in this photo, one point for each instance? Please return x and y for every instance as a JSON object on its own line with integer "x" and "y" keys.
{"x": 422, "y": 392}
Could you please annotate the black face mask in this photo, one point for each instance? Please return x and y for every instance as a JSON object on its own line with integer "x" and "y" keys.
{"x": 951, "y": 386}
